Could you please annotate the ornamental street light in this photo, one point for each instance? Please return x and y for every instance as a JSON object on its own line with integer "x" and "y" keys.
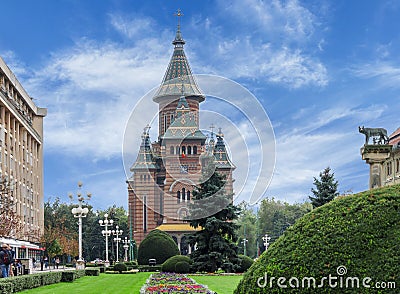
{"x": 266, "y": 239}
{"x": 117, "y": 239}
{"x": 106, "y": 232}
{"x": 244, "y": 246}
{"x": 80, "y": 212}
{"x": 126, "y": 242}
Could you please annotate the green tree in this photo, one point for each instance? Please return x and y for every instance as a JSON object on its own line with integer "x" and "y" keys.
{"x": 216, "y": 240}
{"x": 247, "y": 229}
{"x": 275, "y": 216}
{"x": 325, "y": 188}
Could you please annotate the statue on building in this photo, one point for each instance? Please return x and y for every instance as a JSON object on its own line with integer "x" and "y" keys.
{"x": 379, "y": 135}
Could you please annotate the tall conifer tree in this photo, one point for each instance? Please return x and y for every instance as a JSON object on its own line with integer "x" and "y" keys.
{"x": 213, "y": 212}
{"x": 325, "y": 188}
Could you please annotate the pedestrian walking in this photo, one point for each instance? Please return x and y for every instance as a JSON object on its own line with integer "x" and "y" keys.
{"x": 5, "y": 260}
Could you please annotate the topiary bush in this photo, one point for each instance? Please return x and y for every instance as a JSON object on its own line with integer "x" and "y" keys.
{"x": 350, "y": 237}
{"x": 182, "y": 267}
{"x": 170, "y": 264}
{"x": 245, "y": 263}
{"x": 158, "y": 245}
{"x": 120, "y": 267}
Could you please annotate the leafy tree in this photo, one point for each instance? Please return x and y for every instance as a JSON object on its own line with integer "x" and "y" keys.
{"x": 325, "y": 188}
{"x": 11, "y": 224}
{"x": 216, "y": 240}
{"x": 275, "y": 216}
{"x": 247, "y": 229}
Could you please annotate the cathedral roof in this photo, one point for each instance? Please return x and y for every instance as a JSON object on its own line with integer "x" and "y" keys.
{"x": 145, "y": 159}
{"x": 178, "y": 78}
{"x": 394, "y": 138}
{"x": 184, "y": 125}
{"x": 220, "y": 154}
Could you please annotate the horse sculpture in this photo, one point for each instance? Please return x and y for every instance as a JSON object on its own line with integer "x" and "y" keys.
{"x": 379, "y": 133}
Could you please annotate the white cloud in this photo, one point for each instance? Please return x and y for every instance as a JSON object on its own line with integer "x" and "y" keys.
{"x": 386, "y": 73}
{"x": 281, "y": 48}
{"x": 90, "y": 90}
{"x": 132, "y": 26}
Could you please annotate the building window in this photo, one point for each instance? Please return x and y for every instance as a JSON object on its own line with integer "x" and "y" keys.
{"x": 194, "y": 149}
{"x": 141, "y": 178}
{"x": 397, "y": 165}
{"x": 178, "y": 150}
{"x": 188, "y": 196}
{"x": 189, "y": 151}
{"x": 165, "y": 123}
{"x": 171, "y": 150}
{"x": 178, "y": 197}
{"x": 183, "y": 194}
{"x": 183, "y": 149}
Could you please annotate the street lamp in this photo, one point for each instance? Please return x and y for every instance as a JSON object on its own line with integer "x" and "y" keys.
{"x": 244, "y": 246}
{"x": 126, "y": 241}
{"x": 266, "y": 239}
{"x": 106, "y": 223}
{"x": 117, "y": 239}
{"x": 80, "y": 212}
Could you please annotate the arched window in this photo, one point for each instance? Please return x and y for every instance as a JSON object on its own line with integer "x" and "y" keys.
{"x": 171, "y": 150}
{"x": 141, "y": 178}
{"x": 178, "y": 196}
{"x": 183, "y": 149}
{"x": 188, "y": 196}
{"x": 183, "y": 194}
{"x": 189, "y": 150}
{"x": 194, "y": 149}
{"x": 177, "y": 150}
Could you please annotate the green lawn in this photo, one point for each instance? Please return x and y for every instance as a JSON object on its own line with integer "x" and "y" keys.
{"x": 129, "y": 284}
{"x": 103, "y": 284}
{"x": 219, "y": 284}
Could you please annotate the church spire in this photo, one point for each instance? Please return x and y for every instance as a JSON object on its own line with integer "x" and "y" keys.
{"x": 178, "y": 78}
{"x": 145, "y": 159}
{"x": 220, "y": 154}
{"x": 178, "y": 42}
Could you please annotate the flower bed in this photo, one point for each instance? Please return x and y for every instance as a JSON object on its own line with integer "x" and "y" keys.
{"x": 172, "y": 283}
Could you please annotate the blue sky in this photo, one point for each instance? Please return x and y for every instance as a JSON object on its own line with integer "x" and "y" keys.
{"x": 319, "y": 68}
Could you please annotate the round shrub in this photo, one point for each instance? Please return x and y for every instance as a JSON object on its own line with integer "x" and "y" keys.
{"x": 158, "y": 245}
{"x": 120, "y": 267}
{"x": 352, "y": 236}
{"x": 245, "y": 263}
{"x": 182, "y": 267}
{"x": 170, "y": 264}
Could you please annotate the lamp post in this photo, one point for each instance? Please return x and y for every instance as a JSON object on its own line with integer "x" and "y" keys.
{"x": 80, "y": 212}
{"x": 106, "y": 232}
{"x": 266, "y": 239}
{"x": 244, "y": 246}
{"x": 126, "y": 241}
{"x": 117, "y": 239}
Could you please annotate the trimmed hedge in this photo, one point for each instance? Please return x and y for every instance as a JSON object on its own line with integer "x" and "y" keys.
{"x": 245, "y": 263}
{"x": 149, "y": 268}
{"x": 120, "y": 267}
{"x": 6, "y": 287}
{"x": 51, "y": 278}
{"x": 170, "y": 264}
{"x": 92, "y": 271}
{"x": 158, "y": 245}
{"x": 70, "y": 276}
{"x": 182, "y": 267}
{"x": 353, "y": 236}
{"x": 25, "y": 282}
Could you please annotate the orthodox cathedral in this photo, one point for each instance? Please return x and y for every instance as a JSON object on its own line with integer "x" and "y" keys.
{"x": 167, "y": 170}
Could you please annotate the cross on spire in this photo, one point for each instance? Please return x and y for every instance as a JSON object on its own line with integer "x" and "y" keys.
{"x": 178, "y": 14}
{"x": 212, "y": 127}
